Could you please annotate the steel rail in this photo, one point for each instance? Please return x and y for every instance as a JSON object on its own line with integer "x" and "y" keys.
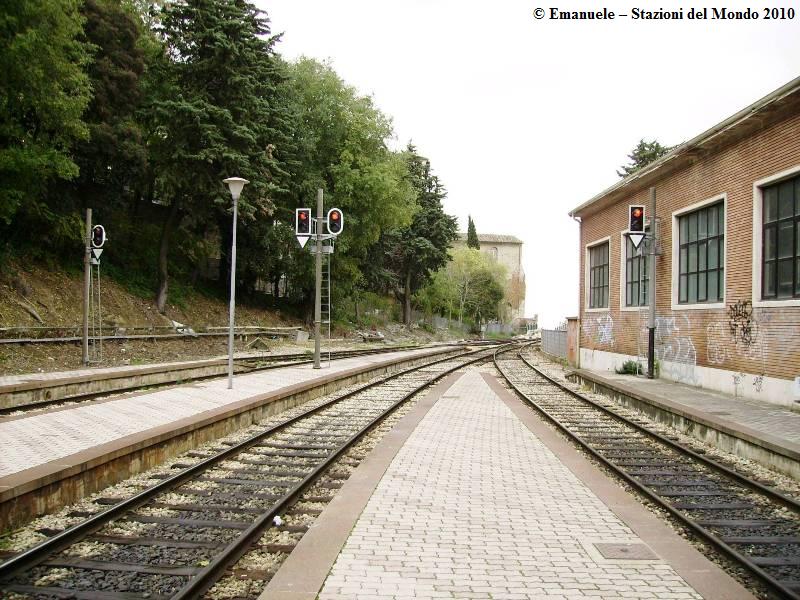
{"x": 38, "y": 554}
{"x": 205, "y": 579}
{"x": 710, "y": 462}
{"x": 703, "y": 533}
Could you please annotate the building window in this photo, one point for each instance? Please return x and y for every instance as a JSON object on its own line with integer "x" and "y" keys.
{"x": 636, "y": 275}
{"x": 780, "y": 255}
{"x": 598, "y": 276}
{"x": 702, "y": 255}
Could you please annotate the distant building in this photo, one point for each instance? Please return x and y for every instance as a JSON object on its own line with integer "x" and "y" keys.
{"x": 728, "y": 259}
{"x": 506, "y": 250}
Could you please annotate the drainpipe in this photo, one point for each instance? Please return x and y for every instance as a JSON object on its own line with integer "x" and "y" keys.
{"x": 578, "y": 341}
{"x": 651, "y": 322}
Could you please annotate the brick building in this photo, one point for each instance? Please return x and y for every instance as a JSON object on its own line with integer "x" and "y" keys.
{"x": 507, "y": 250}
{"x": 728, "y": 265}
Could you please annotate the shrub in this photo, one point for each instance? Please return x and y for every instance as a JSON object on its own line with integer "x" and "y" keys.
{"x": 630, "y": 367}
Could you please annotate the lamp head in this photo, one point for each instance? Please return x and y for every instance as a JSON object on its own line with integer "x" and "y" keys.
{"x": 235, "y": 185}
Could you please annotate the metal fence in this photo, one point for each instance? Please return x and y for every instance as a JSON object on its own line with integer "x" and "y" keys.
{"x": 499, "y": 329}
{"x": 554, "y": 342}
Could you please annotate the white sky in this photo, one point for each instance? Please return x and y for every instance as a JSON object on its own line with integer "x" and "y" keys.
{"x": 525, "y": 119}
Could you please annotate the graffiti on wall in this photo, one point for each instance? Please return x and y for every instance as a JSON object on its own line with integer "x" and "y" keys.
{"x": 743, "y": 328}
{"x": 739, "y": 334}
{"x": 599, "y": 330}
{"x": 675, "y": 349}
{"x": 741, "y": 323}
{"x": 716, "y": 343}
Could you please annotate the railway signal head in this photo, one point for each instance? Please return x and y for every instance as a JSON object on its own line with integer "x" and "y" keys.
{"x": 302, "y": 221}
{"x": 636, "y": 219}
{"x": 335, "y": 221}
{"x": 98, "y": 236}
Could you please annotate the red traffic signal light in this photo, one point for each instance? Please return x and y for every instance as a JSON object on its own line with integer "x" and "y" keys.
{"x": 335, "y": 221}
{"x": 636, "y": 219}
{"x": 302, "y": 221}
{"x": 98, "y": 236}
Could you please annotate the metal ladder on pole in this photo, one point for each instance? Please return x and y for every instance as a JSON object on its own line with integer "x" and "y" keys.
{"x": 325, "y": 296}
{"x": 95, "y": 317}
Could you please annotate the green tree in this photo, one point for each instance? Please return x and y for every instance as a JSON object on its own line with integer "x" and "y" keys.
{"x": 420, "y": 249}
{"x": 341, "y": 146}
{"x": 483, "y": 302}
{"x": 43, "y": 93}
{"x": 642, "y": 155}
{"x": 113, "y": 159}
{"x": 472, "y": 235}
{"x": 469, "y": 284}
{"x": 211, "y": 117}
{"x": 440, "y": 295}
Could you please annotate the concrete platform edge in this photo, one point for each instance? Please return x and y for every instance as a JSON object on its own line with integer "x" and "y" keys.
{"x": 705, "y": 577}
{"x": 303, "y": 573}
{"x": 722, "y": 433}
{"x": 33, "y": 492}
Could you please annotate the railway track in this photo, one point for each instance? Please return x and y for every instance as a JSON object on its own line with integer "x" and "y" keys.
{"x": 241, "y": 366}
{"x": 754, "y": 526}
{"x": 195, "y": 525}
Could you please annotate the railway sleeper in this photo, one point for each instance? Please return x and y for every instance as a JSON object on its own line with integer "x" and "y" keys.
{"x": 159, "y": 542}
{"x": 230, "y": 495}
{"x": 101, "y": 565}
{"x": 193, "y": 523}
{"x": 58, "y": 592}
{"x": 207, "y": 507}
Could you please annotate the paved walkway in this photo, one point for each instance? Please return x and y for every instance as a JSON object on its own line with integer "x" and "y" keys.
{"x": 32, "y": 441}
{"x": 475, "y": 506}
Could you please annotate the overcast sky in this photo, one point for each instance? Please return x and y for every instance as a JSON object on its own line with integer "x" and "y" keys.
{"x": 525, "y": 119}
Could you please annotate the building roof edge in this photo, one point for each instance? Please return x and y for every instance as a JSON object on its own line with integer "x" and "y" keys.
{"x": 676, "y": 156}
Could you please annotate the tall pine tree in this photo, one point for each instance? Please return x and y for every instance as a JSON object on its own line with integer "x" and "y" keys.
{"x": 213, "y": 117}
{"x": 642, "y": 155}
{"x": 417, "y": 251}
{"x": 113, "y": 159}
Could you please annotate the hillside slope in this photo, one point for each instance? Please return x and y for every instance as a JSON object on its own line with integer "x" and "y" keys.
{"x": 56, "y": 298}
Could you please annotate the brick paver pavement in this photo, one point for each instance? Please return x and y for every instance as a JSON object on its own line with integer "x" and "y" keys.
{"x": 475, "y": 506}
{"x": 41, "y": 438}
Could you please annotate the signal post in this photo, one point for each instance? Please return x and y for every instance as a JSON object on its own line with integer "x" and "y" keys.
{"x": 318, "y": 284}
{"x": 304, "y": 230}
{"x": 95, "y": 238}
{"x": 638, "y": 234}
{"x": 87, "y": 278}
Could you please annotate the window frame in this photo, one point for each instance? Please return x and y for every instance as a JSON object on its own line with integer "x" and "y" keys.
{"x": 623, "y": 278}
{"x": 676, "y": 246}
{"x": 758, "y": 238}
{"x": 587, "y": 275}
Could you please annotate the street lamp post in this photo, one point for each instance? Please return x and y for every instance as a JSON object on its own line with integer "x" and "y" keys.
{"x": 235, "y": 185}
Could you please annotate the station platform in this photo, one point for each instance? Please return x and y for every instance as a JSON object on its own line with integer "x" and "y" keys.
{"x": 765, "y": 432}
{"x": 53, "y": 458}
{"x": 471, "y": 495}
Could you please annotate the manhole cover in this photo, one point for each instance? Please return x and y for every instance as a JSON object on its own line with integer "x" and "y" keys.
{"x": 626, "y": 551}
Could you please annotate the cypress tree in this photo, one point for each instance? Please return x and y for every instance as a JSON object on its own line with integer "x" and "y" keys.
{"x": 472, "y": 235}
